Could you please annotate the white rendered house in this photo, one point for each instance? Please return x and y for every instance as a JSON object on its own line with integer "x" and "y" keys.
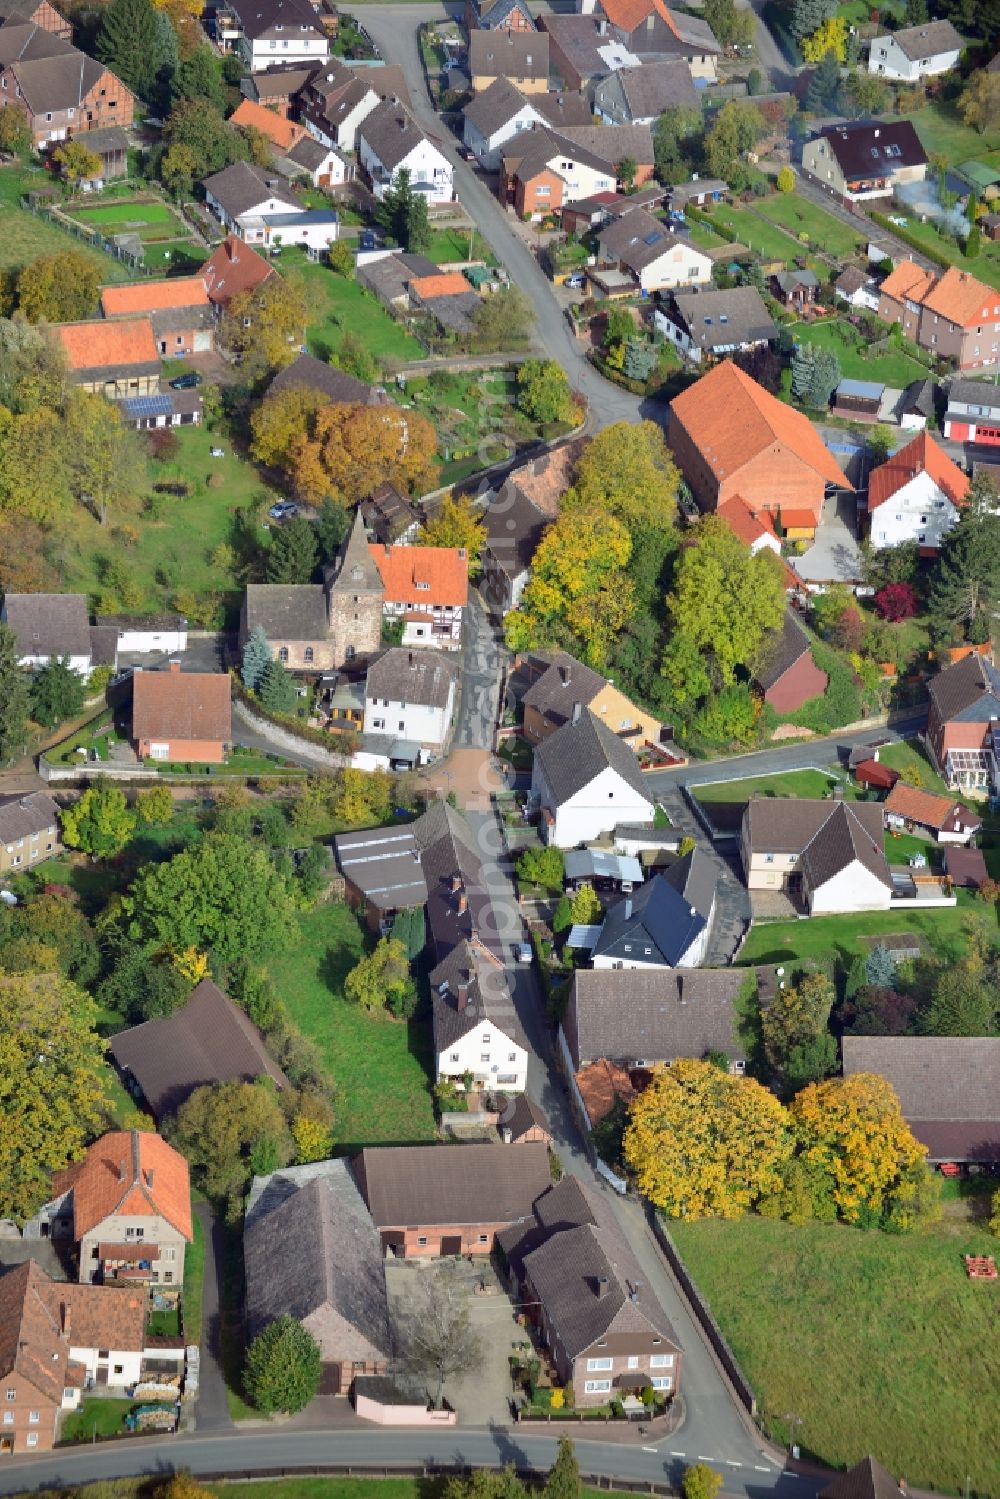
{"x": 915, "y": 495}
{"x": 585, "y": 781}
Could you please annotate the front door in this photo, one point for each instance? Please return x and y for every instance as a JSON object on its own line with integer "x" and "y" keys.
{"x": 451, "y": 1244}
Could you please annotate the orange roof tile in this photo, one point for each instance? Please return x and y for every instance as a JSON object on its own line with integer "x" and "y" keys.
{"x": 747, "y": 524}
{"x": 929, "y": 808}
{"x": 921, "y": 456}
{"x": 796, "y": 520}
{"x": 731, "y": 420}
{"x": 962, "y": 299}
{"x": 153, "y": 296}
{"x": 628, "y": 14}
{"x": 132, "y": 1172}
{"x": 283, "y": 133}
{"x": 100, "y": 344}
{"x": 444, "y": 284}
{"x": 908, "y": 280}
{"x": 600, "y": 1085}
{"x": 178, "y": 704}
{"x": 423, "y": 575}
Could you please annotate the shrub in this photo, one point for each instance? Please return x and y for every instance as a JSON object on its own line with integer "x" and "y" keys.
{"x": 897, "y": 601}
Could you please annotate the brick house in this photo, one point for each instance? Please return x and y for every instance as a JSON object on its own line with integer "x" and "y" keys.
{"x": 29, "y": 830}
{"x": 543, "y": 168}
{"x": 789, "y": 677}
{"x": 322, "y": 626}
{"x": 181, "y": 715}
{"x": 732, "y": 437}
{"x": 126, "y": 1207}
{"x": 963, "y": 717}
{"x": 38, "y": 13}
{"x": 948, "y": 312}
{"x": 179, "y": 311}
{"x": 572, "y": 1267}
{"x": 430, "y": 1200}
{"x": 60, "y": 91}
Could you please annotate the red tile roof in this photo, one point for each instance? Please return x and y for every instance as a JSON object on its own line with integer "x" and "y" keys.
{"x": 732, "y": 420}
{"x": 628, "y": 14}
{"x": 233, "y": 268}
{"x": 153, "y": 296}
{"x": 796, "y": 520}
{"x": 443, "y": 572}
{"x": 871, "y": 773}
{"x": 131, "y": 1172}
{"x": 444, "y": 284}
{"x": 907, "y": 280}
{"x": 921, "y": 456}
{"x": 284, "y": 133}
{"x": 749, "y": 525}
{"x": 927, "y": 807}
{"x": 100, "y": 345}
{"x": 962, "y": 299}
{"x": 179, "y": 704}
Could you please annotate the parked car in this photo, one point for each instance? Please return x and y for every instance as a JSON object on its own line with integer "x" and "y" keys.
{"x": 577, "y": 281}
{"x": 283, "y": 510}
{"x": 190, "y": 381}
{"x": 368, "y": 240}
{"x": 524, "y": 953}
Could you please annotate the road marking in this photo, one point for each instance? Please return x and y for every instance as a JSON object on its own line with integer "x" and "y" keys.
{"x": 758, "y": 1469}
{"x": 678, "y": 1454}
{"x": 649, "y": 1449}
{"x": 703, "y": 1459}
{"x": 730, "y": 1464}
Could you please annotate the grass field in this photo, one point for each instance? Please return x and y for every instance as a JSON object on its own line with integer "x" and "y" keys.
{"x": 862, "y": 1343}
{"x": 26, "y": 235}
{"x": 985, "y": 266}
{"x": 800, "y": 216}
{"x": 340, "y": 306}
{"x": 150, "y": 220}
{"x": 100, "y": 1416}
{"x": 453, "y": 244}
{"x": 815, "y": 783}
{"x": 742, "y": 224}
{"x": 893, "y": 368}
{"x": 944, "y": 931}
{"x": 909, "y": 759}
{"x": 194, "y": 1283}
{"x": 940, "y": 130}
{"x": 381, "y": 1066}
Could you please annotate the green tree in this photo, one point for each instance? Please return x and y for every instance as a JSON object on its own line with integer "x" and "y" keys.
{"x": 973, "y": 242}
{"x": 283, "y": 1368}
{"x": 293, "y": 553}
{"x": 58, "y": 288}
{"x": 979, "y": 101}
{"x": 276, "y": 689}
{"x": 14, "y": 694}
{"x": 731, "y": 716}
{"x": 218, "y": 1129}
{"x": 54, "y": 1080}
{"x": 628, "y": 471}
{"x": 265, "y": 327}
{"x": 332, "y": 525}
{"x": 155, "y": 806}
{"x": 56, "y": 921}
{"x": 585, "y": 906}
{"x": 785, "y": 180}
{"x": 340, "y": 258}
{"x": 409, "y": 929}
{"x": 503, "y": 320}
{"x": 256, "y": 658}
{"x": 700, "y": 1482}
{"x": 916, "y": 13}
{"x": 199, "y": 77}
{"x": 100, "y": 821}
{"x": 880, "y": 967}
{"x": 57, "y": 692}
{"x": 803, "y": 371}
{"x": 543, "y": 392}
{"x": 825, "y": 379}
{"x": 675, "y": 137}
{"x": 640, "y": 359}
{"x": 880, "y": 440}
{"x": 131, "y": 42}
{"x": 562, "y": 916}
{"x": 380, "y": 977}
{"x": 725, "y": 603}
{"x": 963, "y": 1003}
{"x": 542, "y": 866}
{"x": 178, "y": 169}
{"x": 626, "y": 171}
{"x": 737, "y": 129}
{"x": 77, "y": 162}
{"x": 15, "y": 133}
{"x": 221, "y": 896}
{"x": 457, "y": 523}
{"x": 867, "y": 94}
{"x": 965, "y": 584}
{"x": 563, "y": 1481}
{"x": 823, "y": 92}
{"x": 403, "y": 214}
{"x": 213, "y": 142}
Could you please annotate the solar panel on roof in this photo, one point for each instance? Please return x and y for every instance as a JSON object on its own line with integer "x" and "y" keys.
{"x": 653, "y": 238}
{"x": 148, "y": 406}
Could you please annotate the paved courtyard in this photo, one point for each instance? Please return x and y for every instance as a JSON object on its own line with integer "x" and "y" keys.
{"x": 833, "y": 556}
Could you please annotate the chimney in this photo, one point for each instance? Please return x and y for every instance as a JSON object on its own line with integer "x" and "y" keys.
{"x": 462, "y": 904}
{"x": 409, "y": 658}
{"x": 67, "y": 1319}
{"x": 122, "y": 1174}
{"x": 149, "y": 1178}
{"x": 174, "y": 665}
{"x": 577, "y": 712}
{"x": 388, "y": 549}
{"x": 602, "y": 1287}
{"x": 461, "y": 997}
{"x": 628, "y": 907}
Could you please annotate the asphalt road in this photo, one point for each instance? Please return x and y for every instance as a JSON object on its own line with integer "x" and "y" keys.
{"x": 265, "y": 1451}
{"x": 393, "y": 29}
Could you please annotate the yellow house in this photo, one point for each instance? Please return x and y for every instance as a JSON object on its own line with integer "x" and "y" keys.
{"x": 560, "y": 688}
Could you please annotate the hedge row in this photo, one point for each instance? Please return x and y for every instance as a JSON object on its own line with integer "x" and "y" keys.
{"x": 909, "y": 239}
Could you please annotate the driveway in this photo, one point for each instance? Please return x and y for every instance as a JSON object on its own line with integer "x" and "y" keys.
{"x": 212, "y": 1411}
{"x": 833, "y": 556}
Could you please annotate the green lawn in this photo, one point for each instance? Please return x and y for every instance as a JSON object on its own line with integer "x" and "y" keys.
{"x": 164, "y": 1322}
{"x": 381, "y": 1067}
{"x": 943, "y": 930}
{"x": 341, "y": 306}
{"x": 742, "y": 224}
{"x": 986, "y": 266}
{"x": 909, "y": 759}
{"x": 859, "y": 1343}
{"x": 940, "y": 130}
{"x": 106, "y": 1417}
{"x": 805, "y": 783}
{"x": 194, "y": 1282}
{"x": 704, "y": 237}
{"x": 151, "y": 220}
{"x": 800, "y": 216}
{"x": 894, "y": 368}
{"x": 26, "y": 235}
{"x": 453, "y": 244}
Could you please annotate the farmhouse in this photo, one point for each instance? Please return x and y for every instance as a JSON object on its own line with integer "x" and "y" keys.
{"x": 948, "y": 1088}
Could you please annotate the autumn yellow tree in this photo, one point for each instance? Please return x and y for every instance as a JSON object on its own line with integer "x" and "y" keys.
{"x": 851, "y": 1129}
{"x": 265, "y": 327}
{"x": 458, "y": 523}
{"x": 830, "y": 36}
{"x": 627, "y": 470}
{"x": 280, "y": 421}
{"x": 578, "y": 594}
{"x": 354, "y": 448}
{"x": 703, "y": 1143}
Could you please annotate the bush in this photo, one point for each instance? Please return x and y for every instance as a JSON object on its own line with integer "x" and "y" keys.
{"x": 897, "y": 601}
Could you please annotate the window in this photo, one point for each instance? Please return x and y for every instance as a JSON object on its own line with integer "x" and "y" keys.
{"x": 283, "y": 653}
{"x": 118, "y": 1368}
{"x": 664, "y": 1382}
{"x": 168, "y": 1276}
{"x": 597, "y": 1386}
{"x": 662, "y": 1361}
{"x": 308, "y": 655}
{"x": 512, "y": 1056}
{"x": 169, "y": 1254}
{"x": 422, "y": 1240}
{"x": 32, "y": 1438}
{"x": 768, "y": 858}
{"x": 484, "y": 1056}
{"x": 454, "y": 1056}
{"x": 484, "y": 1238}
{"x": 8, "y": 1418}
{"x": 33, "y": 1418}
{"x": 599, "y": 1363}
{"x": 633, "y": 1361}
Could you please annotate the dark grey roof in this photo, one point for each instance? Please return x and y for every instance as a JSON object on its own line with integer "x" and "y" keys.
{"x": 945, "y": 1079}
{"x": 390, "y": 276}
{"x": 563, "y": 109}
{"x": 497, "y": 12}
{"x": 391, "y": 132}
{"x": 384, "y": 864}
{"x": 637, "y": 239}
{"x": 867, "y": 148}
{"x": 309, "y": 154}
{"x": 457, "y": 312}
{"x": 106, "y": 140}
{"x": 292, "y": 18}
{"x": 565, "y": 683}
{"x": 513, "y": 54}
{"x": 458, "y": 900}
{"x": 684, "y": 192}
{"x": 789, "y": 280}
{"x": 444, "y": 1185}
{"x": 388, "y": 513}
{"x": 23, "y": 40}
{"x": 606, "y": 145}
{"x": 208, "y": 1040}
{"x": 694, "y": 31}
{"x": 661, "y": 920}
{"x": 850, "y": 281}
{"x": 575, "y": 754}
{"x": 653, "y": 1015}
{"x": 719, "y": 319}
{"x": 153, "y": 622}
{"x": 468, "y": 987}
{"x": 240, "y": 187}
{"x": 521, "y": 1116}
{"x": 975, "y": 392}
{"x": 919, "y": 397}
{"x": 492, "y": 107}
{"x": 287, "y": 611}
{"x": 514, "y": 527}
{"x": 313, "y": 1253}
{"x": 920, "y": 43}
{"x": 967, "y": 692}
{"x": 309, "y": 373}
{"x": 788, "y": 646}
{"x": 591, "y": 1286}
{"x": 355, "y": 570}
{"x": 408, "y": 676}
{"x": 103, "y": 645}
{"x": 866, "y": 1480}
{"x": 57, "y": 83}
{"x": 20, "y": 816}
{"x": 49, "y": 624}
{"x": 654, "y": 87}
